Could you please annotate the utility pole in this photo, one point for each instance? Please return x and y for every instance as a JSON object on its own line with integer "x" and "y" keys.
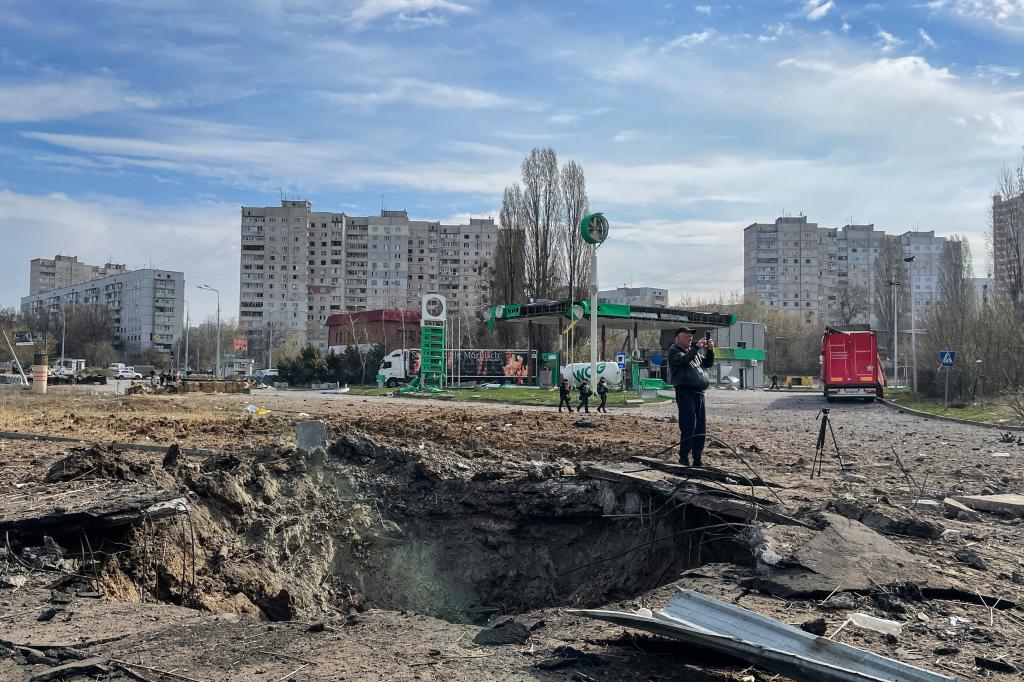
{"x": 895, "y": 339}
{"x": 186, "y": 338}
{"x": 270, "y": 345}
{"x": 63, "y": 333}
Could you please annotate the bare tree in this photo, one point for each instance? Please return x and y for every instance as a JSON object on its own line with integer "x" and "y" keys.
{"x": 889, "y": 270}
{"x": 854, "y": 301}
{"x": 575, "y": 202}
{"x": 1007, "y": 236}
{"x": 360, "y": 336}
{"x": 507, "y": 282}
{"x": 542, "y": 213}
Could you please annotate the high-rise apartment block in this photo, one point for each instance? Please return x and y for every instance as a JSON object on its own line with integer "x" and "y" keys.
{"x": 823, "y": 274}
{"x": 299, "y": 266}
{"x": 65, "y": 271}
{"x": 146, "y": 306}
{"x": 648, "y": 296}
{"x": 1008, "y": 244}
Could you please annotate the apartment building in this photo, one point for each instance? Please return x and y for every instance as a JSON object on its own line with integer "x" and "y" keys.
{"x": 299, "y": 266}
{"x": 147, "y": 306}
{"x": 822, "y": 274}
{"x": 1007, "y": 244}
{"x": 46, "y": 274}
{"x": 646, "y": 296}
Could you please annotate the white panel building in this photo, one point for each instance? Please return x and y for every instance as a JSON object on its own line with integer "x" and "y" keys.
{"x": 299, "y": 266}
{"x": 147, "y": 306}
{"x": 805, "y": 270}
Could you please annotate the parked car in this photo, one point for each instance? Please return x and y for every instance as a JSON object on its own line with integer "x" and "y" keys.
{"x": 128, "y": 373}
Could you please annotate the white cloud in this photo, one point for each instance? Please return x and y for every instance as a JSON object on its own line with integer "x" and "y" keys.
{"x": 422, "y": 93}
{"x": 703, "y": 9}
{"x": 196, "y": 238}
{"x": 928, "y": 40}
{"x": 997, "y": 74}
{"x": 815, "y": 10}
{"x": 1005, "y": 14}
{"x": 368, "y": 11}
{"x": 846, "y": 27}
{"x": 887, "y": 42}
{"x": 688, "y": 40}
{"x": 773, "y": 32}
{"x": 563, "y": 119}
{"x": 626, "y": 136}
{"x": 66, "y": 98}
{"x": 251, "y": 159}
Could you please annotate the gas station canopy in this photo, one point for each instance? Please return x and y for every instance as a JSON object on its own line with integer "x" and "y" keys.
{"x": 610, "y": 315}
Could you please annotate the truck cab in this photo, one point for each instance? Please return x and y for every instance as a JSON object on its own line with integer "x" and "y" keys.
{"x": 399, "y": 366}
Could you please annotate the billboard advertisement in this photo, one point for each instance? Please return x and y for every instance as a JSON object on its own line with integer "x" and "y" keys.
{"x": 489, "y": 365}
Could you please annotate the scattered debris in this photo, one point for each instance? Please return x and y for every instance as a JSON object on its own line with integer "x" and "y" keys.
{"x": 816, "y": 626}
{"x": 958, "y": 510}
{"x": 509, "y": 631}
{"x": 880, "y": 625}
{"x": 971, "y": 558}
{"x": 173, "y": 455}
{"x": 1003, "y": 504}
{"x": 997, "y": 666}
{"x": 706, "y": 622}
{"x": 98, "y": 461}
{"x": 846, "y": 553}
{"x": 86, "y": 667}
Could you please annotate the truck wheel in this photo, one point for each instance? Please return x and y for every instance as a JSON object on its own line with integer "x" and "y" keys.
{"x": 391, "y": 382}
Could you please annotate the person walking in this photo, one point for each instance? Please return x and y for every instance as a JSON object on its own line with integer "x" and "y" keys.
{"x": 564, "y": 395}
{"x": 602, "y": 393}
{"x": 687, "y": 364}
{"x": 585, "y": 394}
{"x": 775, "y": 383}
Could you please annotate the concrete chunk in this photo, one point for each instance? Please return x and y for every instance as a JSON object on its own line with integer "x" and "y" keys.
{"x": 1003, "y": 504}
{"x": 310, "y": 435}
{"x": 957, "y": 510}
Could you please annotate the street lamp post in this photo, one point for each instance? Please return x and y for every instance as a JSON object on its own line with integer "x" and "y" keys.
{"x": 895, "y": 339}
{"x": 63, "y": 334}
{"x": 909, "y": 260}
{"x": 594, "y": 230}
{"x": 216, "y": 369}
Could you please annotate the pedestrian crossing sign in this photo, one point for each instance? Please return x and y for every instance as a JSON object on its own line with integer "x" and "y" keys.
{"x": 947, "y": 357}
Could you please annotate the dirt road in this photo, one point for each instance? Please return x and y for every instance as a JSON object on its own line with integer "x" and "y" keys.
{"x": 426, "y": 521}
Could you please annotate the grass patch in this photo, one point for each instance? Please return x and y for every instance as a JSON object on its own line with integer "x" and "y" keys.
{"x": 990, "y": 412}
{"x": 509, "y": 396}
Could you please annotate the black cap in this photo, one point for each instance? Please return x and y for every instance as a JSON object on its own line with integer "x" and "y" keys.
{"x": 685, "y": 330}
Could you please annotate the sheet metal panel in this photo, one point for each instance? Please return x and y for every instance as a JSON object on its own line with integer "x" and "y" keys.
{"x": 706, "y": 622}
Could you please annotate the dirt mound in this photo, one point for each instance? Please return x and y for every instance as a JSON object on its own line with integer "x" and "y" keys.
{"x": 98, "y": 461}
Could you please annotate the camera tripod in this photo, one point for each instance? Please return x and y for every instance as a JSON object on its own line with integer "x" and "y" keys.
{"x": 819, "y": 453}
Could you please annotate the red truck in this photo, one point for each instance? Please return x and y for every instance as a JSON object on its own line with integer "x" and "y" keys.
{"x": 850, "y": 367}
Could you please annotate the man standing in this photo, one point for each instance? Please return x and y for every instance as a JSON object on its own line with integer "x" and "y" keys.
{"x": 602, "y": 393}
{"x": 687, "y": 362}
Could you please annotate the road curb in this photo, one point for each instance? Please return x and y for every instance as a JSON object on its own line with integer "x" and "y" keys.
{"x": 955, "y": 420}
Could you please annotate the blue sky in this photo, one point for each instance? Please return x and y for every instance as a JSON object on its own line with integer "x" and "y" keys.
{"x": 132, "y": 130}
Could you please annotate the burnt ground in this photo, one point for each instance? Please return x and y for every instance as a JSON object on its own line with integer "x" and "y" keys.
{"x": 425, "y": 521}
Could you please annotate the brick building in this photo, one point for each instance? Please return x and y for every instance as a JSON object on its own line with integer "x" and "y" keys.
{"x": 388, "y": 327}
